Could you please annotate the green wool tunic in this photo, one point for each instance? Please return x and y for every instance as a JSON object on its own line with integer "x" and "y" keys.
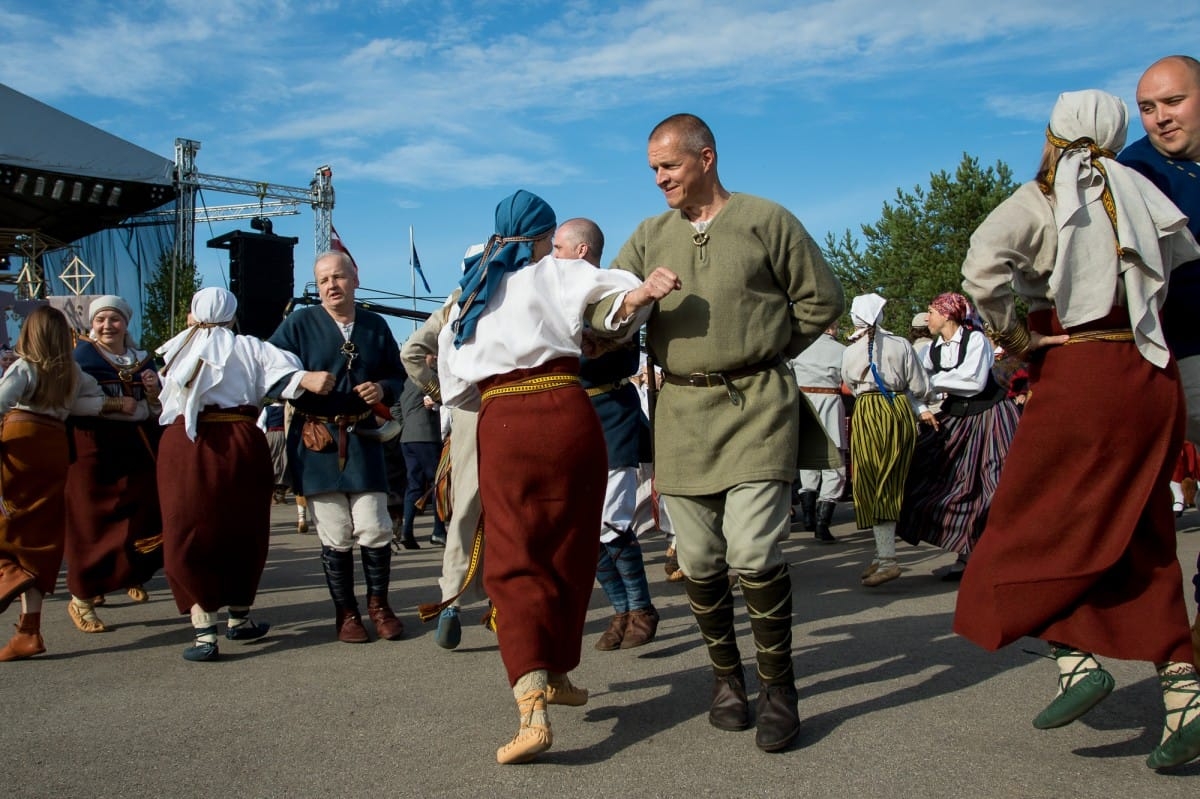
{"x": 754, "y": 286}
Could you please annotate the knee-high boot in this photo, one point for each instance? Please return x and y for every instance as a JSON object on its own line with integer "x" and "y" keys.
{"x": 377, "y": 567}
{"x": 339, "y": 576}
{"x": 712, "y": 605}
{"x": 769, "y": 603}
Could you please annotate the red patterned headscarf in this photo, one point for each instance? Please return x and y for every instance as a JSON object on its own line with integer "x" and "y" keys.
{"x": 952, "y": 306}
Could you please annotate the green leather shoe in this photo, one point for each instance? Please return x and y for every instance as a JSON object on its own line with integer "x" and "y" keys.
{"x": 1075, "y": 699}
{"x": 1182, "y": 745}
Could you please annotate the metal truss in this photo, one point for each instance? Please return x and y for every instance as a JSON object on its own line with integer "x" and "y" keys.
{"x": 319, "y": 195}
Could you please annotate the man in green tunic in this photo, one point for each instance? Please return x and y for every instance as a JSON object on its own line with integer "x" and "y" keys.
{"x": 755, "y": 290}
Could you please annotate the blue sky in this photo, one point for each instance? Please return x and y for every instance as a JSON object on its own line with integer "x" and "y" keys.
{"x": 430, "y": 112}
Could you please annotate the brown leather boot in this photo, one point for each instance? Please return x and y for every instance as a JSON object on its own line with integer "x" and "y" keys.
{"x": 385, "y": 621}
{"x": 610, "y": 639}
{"x": 350, "y": 628}
{"x": 27, "y": 641}
{"x": 641, "y": 627}
{"x": 13, "y": 582}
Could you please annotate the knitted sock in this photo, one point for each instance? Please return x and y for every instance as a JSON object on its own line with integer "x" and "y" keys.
{"x": 238, "y": 616}
{"x": 206, "y": 621}
{"x": 1179, "y": 694}
{"x": 1072, "y": 660}
{"x": 535, "y": 680}
{"x": 885, "y": 543}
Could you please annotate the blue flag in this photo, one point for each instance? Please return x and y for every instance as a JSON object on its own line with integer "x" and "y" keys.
{"x": 416, "y": 264}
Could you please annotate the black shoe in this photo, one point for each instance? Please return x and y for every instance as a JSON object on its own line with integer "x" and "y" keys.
{"x": 409, "y": 543}
{"x": 778, "y": 719}
{"x": 730, "y": 709}
{"x": 437, "y": 540}
{"x": 248, "y": 631}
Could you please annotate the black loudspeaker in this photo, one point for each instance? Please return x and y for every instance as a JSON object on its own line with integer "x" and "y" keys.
{"x": 261, "y": 276}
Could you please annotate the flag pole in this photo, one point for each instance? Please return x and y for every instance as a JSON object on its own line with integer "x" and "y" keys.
{"x": 412, "y": 270}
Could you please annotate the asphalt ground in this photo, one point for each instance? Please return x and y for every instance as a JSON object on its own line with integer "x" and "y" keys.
{"x": 892, "y": 703}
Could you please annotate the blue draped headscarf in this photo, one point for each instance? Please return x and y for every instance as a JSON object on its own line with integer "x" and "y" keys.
{"x": 521, "y": 218}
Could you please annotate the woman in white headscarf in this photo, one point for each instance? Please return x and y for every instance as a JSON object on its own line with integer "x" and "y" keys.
{"x": 1079, "y": 548}
{"x": 215, "y": 475}
{"x": 887, "y": 379}
{"x": 113, "y": 531}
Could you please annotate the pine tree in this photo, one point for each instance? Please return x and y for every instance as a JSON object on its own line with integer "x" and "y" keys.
{"x": 916, "y": 249}
{"x": 159, "y": 323}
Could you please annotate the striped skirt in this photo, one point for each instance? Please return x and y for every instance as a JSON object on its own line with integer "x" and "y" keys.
{"x": 882, "y": 437}
{"x": 953, "y": 476}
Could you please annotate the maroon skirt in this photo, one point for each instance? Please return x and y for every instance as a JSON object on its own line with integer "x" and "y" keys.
{"x": 113, "y": 524}
{"x": 542, "y": 474}
{"x": 33, "y": 469}
{"x": 215, "y": 494}
{"x": 1079, "y": 546}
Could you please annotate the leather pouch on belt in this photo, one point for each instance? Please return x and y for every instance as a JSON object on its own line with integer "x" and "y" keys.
{"x": 316, "y": 436}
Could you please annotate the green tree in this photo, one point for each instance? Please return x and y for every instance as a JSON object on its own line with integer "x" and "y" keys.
{"x": 159, "y": 321}
{"x": 916, "y": 249}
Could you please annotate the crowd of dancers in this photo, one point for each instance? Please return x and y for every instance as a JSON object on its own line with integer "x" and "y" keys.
{"x": 1048, "y": 473}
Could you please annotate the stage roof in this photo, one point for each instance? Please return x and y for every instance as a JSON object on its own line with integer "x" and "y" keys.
{"x": 66, "y": 179}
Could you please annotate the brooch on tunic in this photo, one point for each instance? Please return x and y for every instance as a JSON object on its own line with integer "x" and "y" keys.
{"x": 351, "y": 352}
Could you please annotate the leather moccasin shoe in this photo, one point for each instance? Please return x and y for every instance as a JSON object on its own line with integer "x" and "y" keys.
{"x": 350, "y": 628}
{"x": 386, "y": 624}
{"x": 1073, "y": 702}
{"x": 611, "y": 638}
{"x": 641, "y": 627}
{"x": 248, "y": 631}
{"x": 449, "y": 629}
{"x": 778, "y": 719}
{"x": 730, "y": 709}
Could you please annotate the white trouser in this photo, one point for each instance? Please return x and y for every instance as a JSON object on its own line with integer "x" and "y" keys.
{"x": 342, "y": 518}
{"x": 829, "y": 482}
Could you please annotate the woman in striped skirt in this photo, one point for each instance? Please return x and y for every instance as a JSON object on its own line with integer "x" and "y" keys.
{"x": 956, "y": 465}
{"x": 883, "y": 372}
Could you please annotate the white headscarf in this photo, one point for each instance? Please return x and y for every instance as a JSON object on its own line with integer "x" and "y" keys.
{"x": 111, "y": 302}
{"x": 866, "y": 311}
{"x": 1087, "y": 264}
{"x": 196, "y": 358}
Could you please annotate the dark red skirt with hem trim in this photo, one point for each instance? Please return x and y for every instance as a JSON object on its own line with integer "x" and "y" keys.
{"x": 1080, "y": 541}
{"x": 542, "y": 475}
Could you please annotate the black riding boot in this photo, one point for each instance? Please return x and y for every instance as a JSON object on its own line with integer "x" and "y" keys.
{"x": 769, "y": 603}
{"x": 377, "y": 566}
{"x": 712, "y": 605}
{"x": 824, "y": 517}
{"x": 339, "y": 576}
{"x": 808, "y": 505}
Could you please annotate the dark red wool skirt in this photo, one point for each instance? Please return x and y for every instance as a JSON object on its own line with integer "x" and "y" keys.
{"x": 542, "y": 475}
{"x": 33, "y": 469}
{"x": 112, "y": 507}
{"x": 215, "y": 494}
{"x": 1080, "y": 541}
